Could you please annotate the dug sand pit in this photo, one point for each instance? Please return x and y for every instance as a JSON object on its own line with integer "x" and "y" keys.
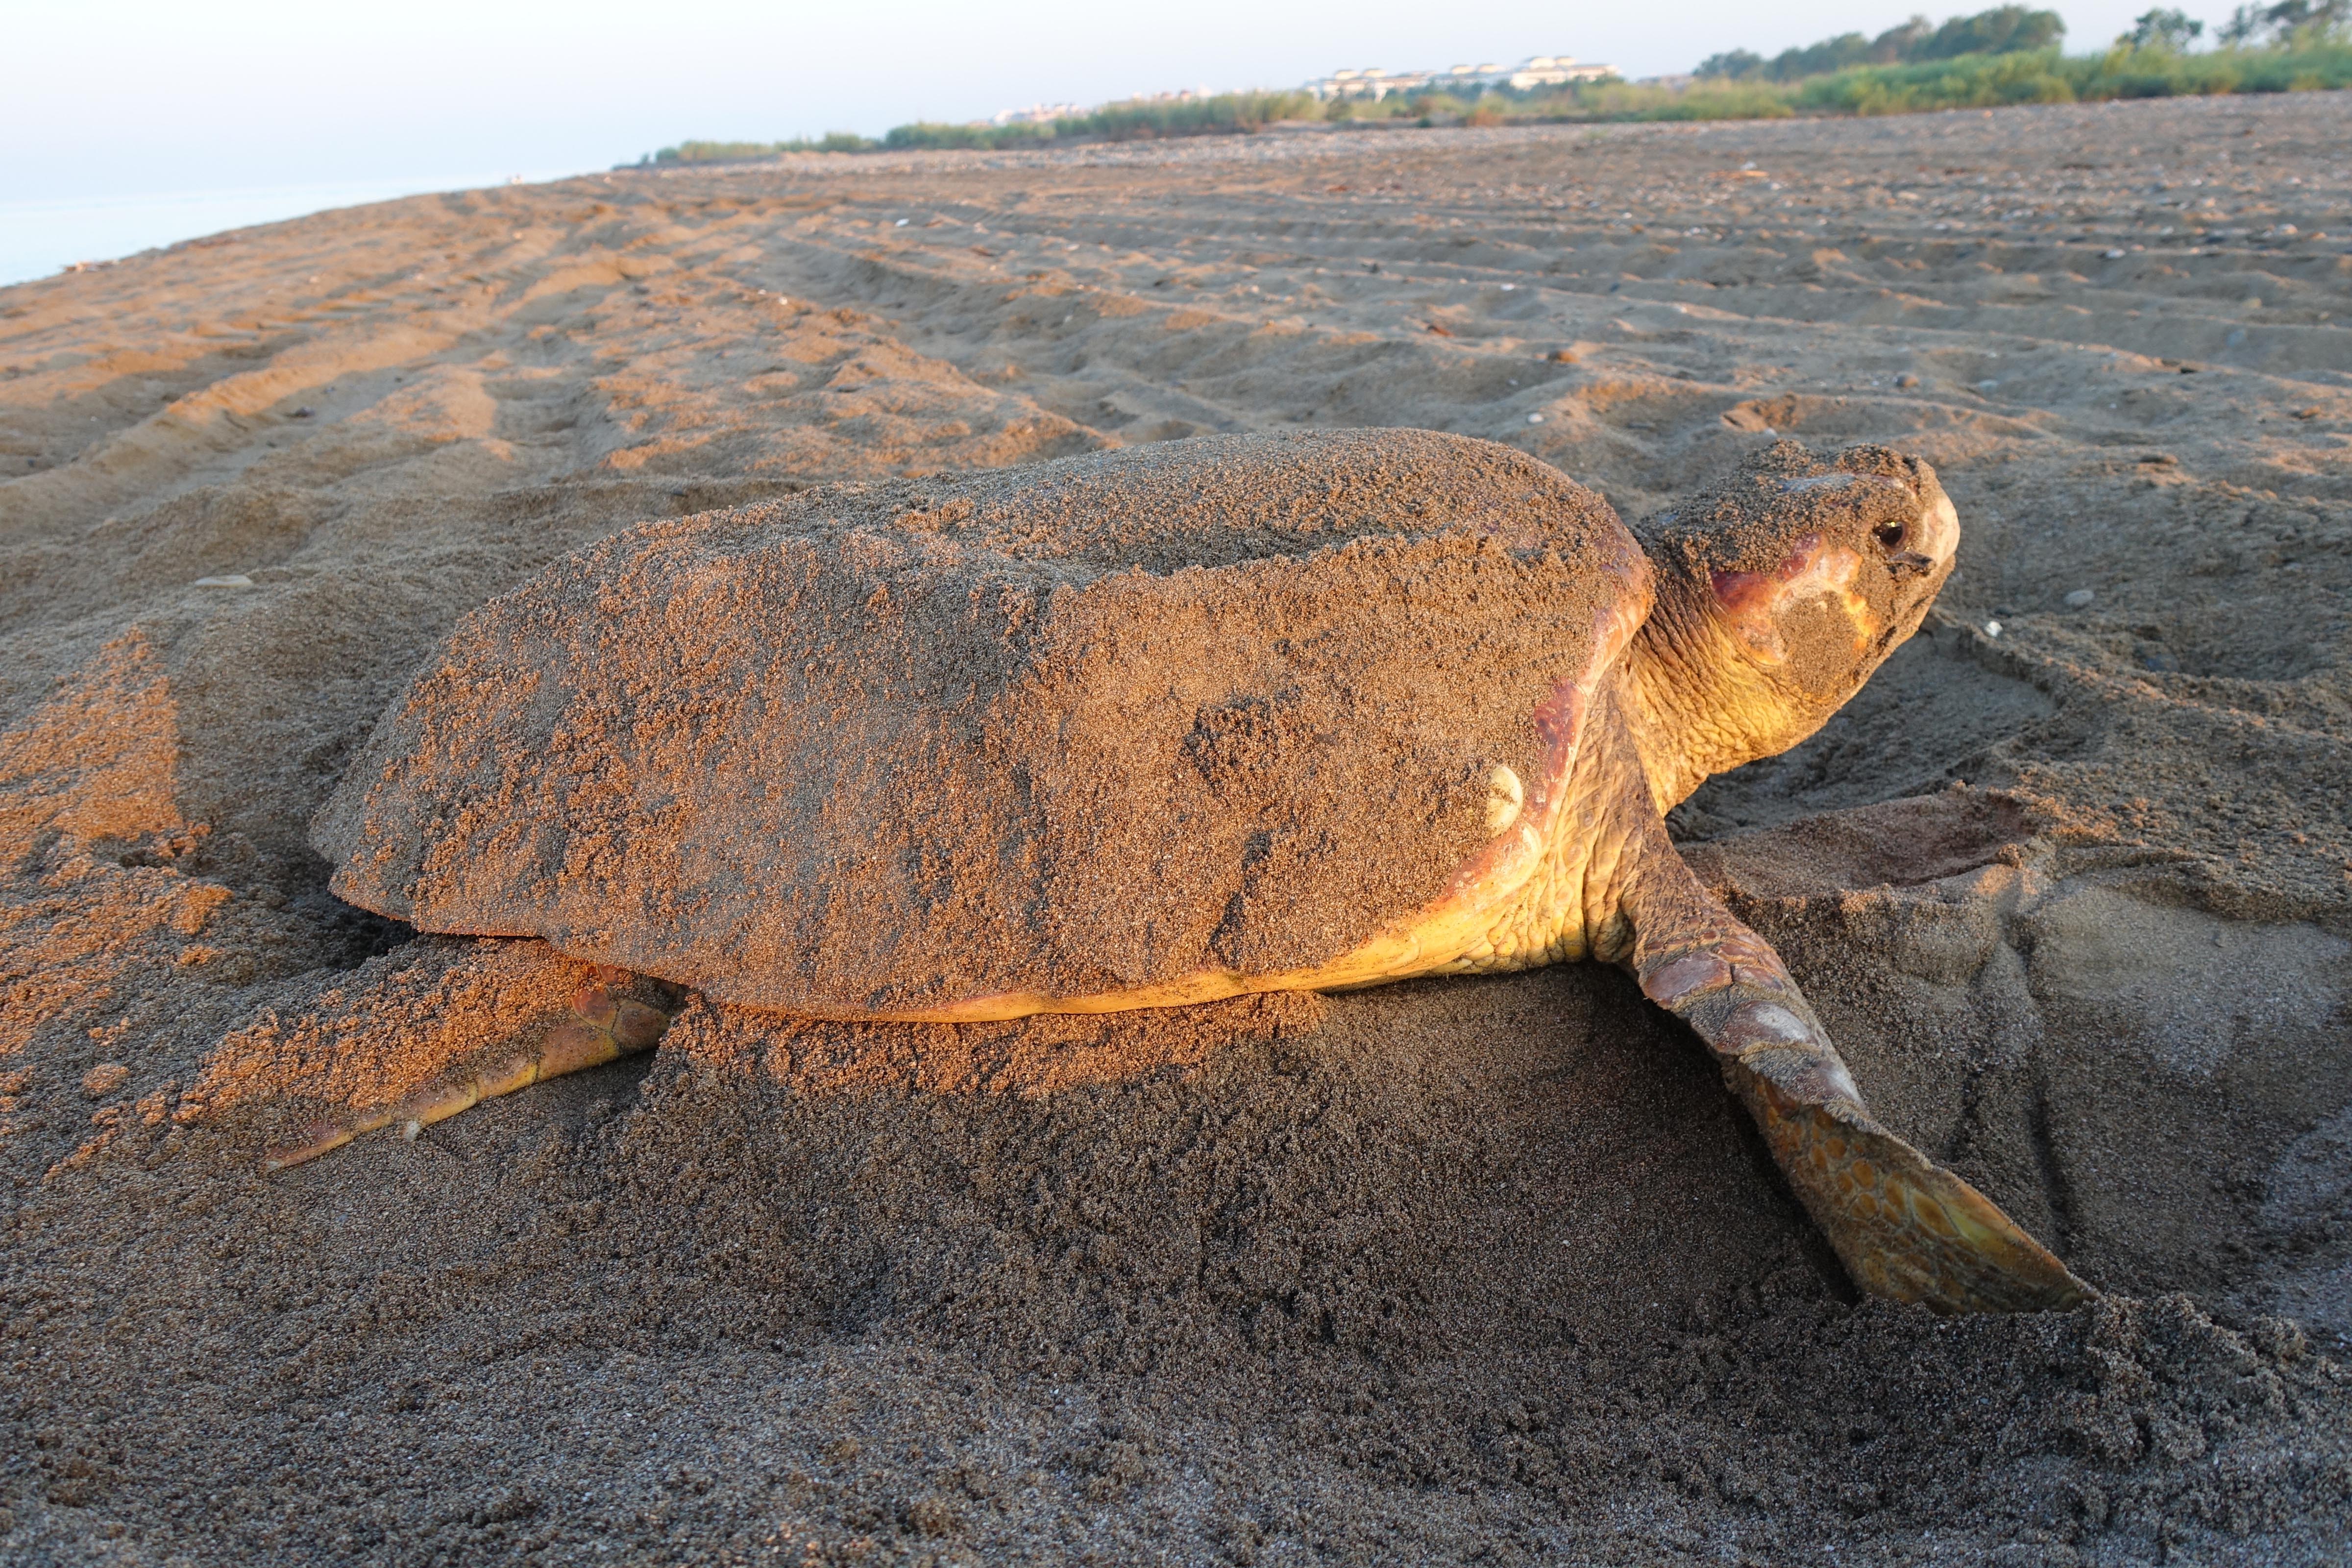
{"x": 1485, "y": 1267}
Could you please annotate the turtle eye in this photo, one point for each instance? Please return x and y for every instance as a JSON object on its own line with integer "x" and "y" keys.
{"x": 1892, "y": 539}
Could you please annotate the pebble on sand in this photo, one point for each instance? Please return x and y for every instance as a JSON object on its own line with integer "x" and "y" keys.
{"x": 2079, "y": 599}
{"x": 233, "y": 580}
{"x": 1535, "y": 418}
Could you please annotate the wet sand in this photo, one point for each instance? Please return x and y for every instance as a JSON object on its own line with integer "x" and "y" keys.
{"x": 1486, "y": 1269}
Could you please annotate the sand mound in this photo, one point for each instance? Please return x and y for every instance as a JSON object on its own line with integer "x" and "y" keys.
{"x": 1482, "y": 1270}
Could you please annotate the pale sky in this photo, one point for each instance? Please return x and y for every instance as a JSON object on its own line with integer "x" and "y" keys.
{"x": 104, "y": 98}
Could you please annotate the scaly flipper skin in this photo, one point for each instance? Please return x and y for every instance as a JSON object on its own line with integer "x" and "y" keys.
{"x": 601, "y": 1026}
{"x": 1905, "y": 1227}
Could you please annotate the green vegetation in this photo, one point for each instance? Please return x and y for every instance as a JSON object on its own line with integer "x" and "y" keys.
{"x": 2163, "y": 30}
{"x": 726, "y": 151}
{"x": 1969, "y": 81}
{"x": 2005, "y": 30}
{"x": 1986, "y": 82}
{"x": 2290, "y": 24}
{"x": 1138, "y": 121}
{"x": 2008, "y": 55}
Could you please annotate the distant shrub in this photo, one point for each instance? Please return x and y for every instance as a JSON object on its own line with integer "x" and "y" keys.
{"x": 1967, "y": 81}
{"x": 1733, "y": 63}
{"x": 936, "y": 134}
{"x": 728, "y": 152}
{"x": 1139, "y": 120}
{"x": 2163, "y": 28}
{"x": 1225, "y": 114}
{"x": 2005, "y": 29}
{"x": 2289, "y": 24}
{"x": 1986, "y": 82}
{"x": 1963, "y": 81}
{"x": 1704, "y": 100}
{"x": 1973, "y": 79}
{"x": 1613, "y": 98}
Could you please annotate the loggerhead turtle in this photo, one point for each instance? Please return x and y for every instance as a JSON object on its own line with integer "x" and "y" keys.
{"x": 1157, "y": 726}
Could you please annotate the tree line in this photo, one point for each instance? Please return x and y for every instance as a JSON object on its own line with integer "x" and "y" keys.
{"x": 2016, "y": 30}
{"x": 2004, "y": 30}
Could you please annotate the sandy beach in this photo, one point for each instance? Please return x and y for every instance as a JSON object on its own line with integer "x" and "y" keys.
{"x": 1487, "y": 1269}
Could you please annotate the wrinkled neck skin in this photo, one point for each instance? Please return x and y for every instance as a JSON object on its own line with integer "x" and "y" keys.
{"x": 1695, "y": 705}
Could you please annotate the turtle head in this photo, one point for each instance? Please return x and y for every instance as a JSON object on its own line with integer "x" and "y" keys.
{"x": 1779, "y": 592}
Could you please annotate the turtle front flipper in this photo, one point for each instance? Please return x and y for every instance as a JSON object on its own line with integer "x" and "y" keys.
{"x": 1904, "y": 1226}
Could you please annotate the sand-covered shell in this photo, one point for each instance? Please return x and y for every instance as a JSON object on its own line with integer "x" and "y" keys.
{"x": 1081, "y": 726}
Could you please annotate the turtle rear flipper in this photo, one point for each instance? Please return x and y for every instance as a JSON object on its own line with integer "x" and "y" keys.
{"x": 1904, "y": 1226}
{"x": 431, "y": 1029}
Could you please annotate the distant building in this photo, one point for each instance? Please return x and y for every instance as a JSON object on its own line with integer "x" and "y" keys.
{"x": 1554, "y": 71}
{"x": 1369, "y": 82}
{"x": 1535, "y": 70}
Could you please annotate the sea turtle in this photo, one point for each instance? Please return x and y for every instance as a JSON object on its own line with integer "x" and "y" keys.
{"x": 1161, "y": 725}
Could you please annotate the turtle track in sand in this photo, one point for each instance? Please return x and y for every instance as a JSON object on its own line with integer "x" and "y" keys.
{"x": 1481, "y": 1267}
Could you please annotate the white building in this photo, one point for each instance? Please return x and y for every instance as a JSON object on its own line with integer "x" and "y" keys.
{"x": 1369, "y": 82}
{"x": 1554, "y": 70}
{"x": 1535, "y": 70}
